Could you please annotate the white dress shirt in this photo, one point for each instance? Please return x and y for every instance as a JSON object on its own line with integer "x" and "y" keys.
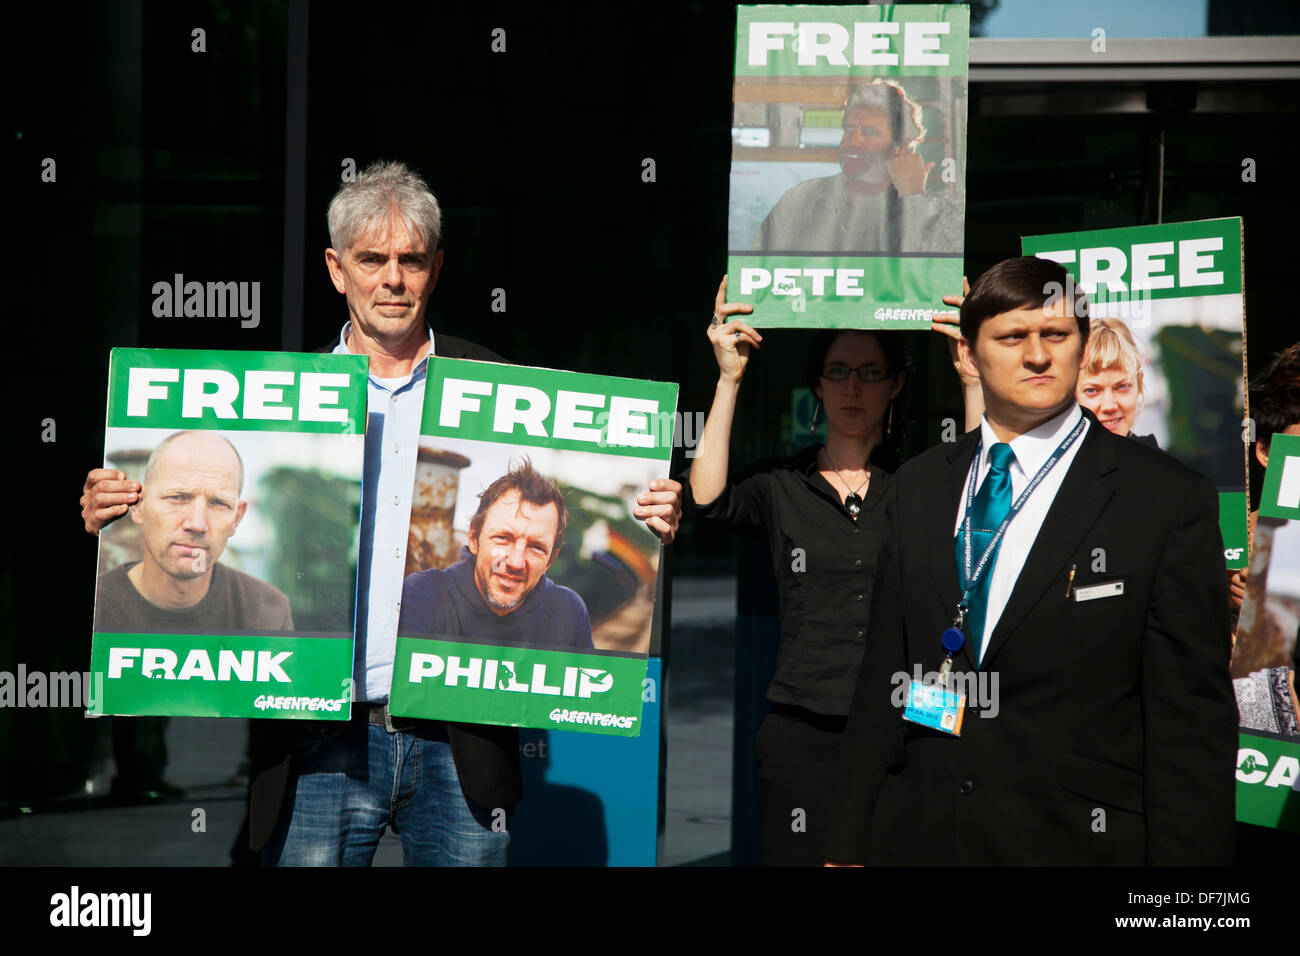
{"x": 1031, "y": 450}
{"x": 392, "y": 446}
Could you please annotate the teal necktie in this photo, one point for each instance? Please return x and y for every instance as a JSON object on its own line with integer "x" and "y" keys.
{"x": 990, "y": 507}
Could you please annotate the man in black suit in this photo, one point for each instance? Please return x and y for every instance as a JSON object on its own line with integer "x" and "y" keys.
{"x": 323, "y": 793}
{"x": 1100, "y": 625}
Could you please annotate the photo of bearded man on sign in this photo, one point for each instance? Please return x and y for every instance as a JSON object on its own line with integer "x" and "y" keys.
{"x": 498, "y": 592}
{"x": 877, "y": 203}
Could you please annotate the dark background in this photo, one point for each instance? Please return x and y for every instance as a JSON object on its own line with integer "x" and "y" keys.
{"x": 174, "y": 161}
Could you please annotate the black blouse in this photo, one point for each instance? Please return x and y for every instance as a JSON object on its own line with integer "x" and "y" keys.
{"x": 825, "y": 564}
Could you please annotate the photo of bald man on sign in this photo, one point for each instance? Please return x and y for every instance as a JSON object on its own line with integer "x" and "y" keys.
{"x": 190, "y": 505}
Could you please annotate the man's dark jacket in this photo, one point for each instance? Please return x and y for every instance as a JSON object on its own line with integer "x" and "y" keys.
{"x": 1115, "y": 737}
{"x": 487, "y": 757}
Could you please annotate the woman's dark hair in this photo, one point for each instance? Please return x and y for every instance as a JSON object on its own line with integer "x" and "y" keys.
{"x": 1025, "y": 282}
{"x": 891, "y": 343}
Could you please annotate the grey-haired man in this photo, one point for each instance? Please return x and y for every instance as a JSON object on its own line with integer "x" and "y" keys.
{"x": 323, "y": 794}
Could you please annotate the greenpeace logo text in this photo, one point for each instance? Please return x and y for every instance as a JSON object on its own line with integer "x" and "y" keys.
{"x": 905, "y": 315}
{"x": 75, "y": 908}
{"x": 591, "y": 717}
{"x": 267, "y": 702}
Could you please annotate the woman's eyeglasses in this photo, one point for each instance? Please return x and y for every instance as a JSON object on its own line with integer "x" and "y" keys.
{"x": 866, "y": 373}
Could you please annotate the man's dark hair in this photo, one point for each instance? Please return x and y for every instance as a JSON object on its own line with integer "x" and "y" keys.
{"x": 895, "y": 357}
{"x": 1027, "y": 282}
{"x": 534, "y": 488}
{"x": 1275, "y": 395}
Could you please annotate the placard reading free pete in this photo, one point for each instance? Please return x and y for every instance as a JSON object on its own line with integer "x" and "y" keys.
{"x": 530, "y": 585}
{"x": 1165, "y": 357}
{"x": 229, "y": 588}
{"x": 847, "y": 202}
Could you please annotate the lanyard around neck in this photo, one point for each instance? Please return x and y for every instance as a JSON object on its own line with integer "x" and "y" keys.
{"x": 971, "y": 581}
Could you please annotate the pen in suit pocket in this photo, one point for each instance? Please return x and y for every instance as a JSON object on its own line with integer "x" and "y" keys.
{"x": 1070, "y": 581}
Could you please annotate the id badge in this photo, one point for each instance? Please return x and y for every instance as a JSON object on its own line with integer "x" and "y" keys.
{"x": 935, "y": 707}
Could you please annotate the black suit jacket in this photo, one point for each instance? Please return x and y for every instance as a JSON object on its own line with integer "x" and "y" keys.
{"x": 1115, "y": 737}
{"x": 487, "y": 757}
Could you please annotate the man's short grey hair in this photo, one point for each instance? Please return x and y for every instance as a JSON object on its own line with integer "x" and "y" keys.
{"x": 904, "y": 115}
{"x": 162, "y": 447}
{"x": 365, "y": 204}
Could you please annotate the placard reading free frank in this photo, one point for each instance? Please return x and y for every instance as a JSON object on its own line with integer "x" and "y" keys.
{"x": 847, "y": 198}
{"x": 1165, "y": 361}
{"x": 229, "y": 587}
{"x": 530, "y": 585}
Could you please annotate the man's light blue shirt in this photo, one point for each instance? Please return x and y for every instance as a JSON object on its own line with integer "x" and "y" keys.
{"x": 393, "y": 414}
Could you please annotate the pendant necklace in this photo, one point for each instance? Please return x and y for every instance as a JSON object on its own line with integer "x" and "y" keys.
{"x": 852, "y": 503}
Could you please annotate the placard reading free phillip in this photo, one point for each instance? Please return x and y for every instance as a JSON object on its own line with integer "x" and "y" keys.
{"x": 229, "y": 587}
{"x": 848, "y": 164}
{"x": 530, "y": 585}
{"x": 1165, "y": 358}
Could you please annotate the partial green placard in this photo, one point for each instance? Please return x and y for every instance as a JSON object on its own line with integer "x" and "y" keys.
{"x": 201, "y": 676}
{"x": 842, "y": 292}
{"x": 1234, "y": 527}
{"x": 1166, "y": 261}
{"x": 1281, "y": 495}
{"x": 883, "y": 40}
{"x": 520, "y": 687}
{"x": 237, "y": 391}
{"x": 1268, "y": 782}
{"x": 547, "y": 408}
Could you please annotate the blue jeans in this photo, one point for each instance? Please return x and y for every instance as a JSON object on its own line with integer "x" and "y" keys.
{"x": 352, "y": 780}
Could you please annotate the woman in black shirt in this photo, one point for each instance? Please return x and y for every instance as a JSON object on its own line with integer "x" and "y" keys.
{"x": 821, "y": 514}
